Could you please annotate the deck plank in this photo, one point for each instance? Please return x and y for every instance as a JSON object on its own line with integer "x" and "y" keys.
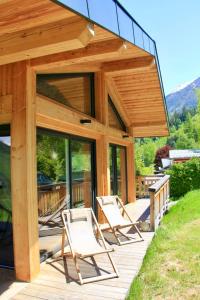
{"x": 51, "y": 283}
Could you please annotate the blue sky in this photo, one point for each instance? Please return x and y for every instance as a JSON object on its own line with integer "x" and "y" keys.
{"x": 175, "y": 26}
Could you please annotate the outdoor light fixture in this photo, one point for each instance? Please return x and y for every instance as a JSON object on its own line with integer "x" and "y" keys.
{"x": 85, "y": 121}
{"x": 90, "y": 27}
{"x": 125, "y": 136}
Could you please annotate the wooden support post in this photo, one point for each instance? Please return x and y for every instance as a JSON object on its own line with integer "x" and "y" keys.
{"x": 101, "y": 98}
{"x": 152, "y": 211}
{"x": 103, "y": 171}
{"x": 131, "y": 173}
{"x": 24, "y": 185}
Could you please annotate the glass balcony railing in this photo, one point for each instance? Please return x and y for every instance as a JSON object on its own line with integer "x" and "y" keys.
{"x": 111, "y": 15}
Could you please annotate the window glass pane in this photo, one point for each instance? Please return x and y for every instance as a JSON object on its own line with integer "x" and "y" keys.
{"x": 152, "y": 47}
{"x": 104, "y": 13}
{"x": 74, "y": 91}
{"x": 146, "y": 42}
{"x": 138, "y": 36}
{"x": 6, "y": 239}
{"x": 81, "y": 174}
{"x": 78, "y": 5}
{"x": 114, "y": 118}
{"x": 111, "y": 170}
{"x": 125, "y": 25}
{"x": 53, "y": 189}
{"x": 121, "y": 173}
{"x": 65, "y": 179}
{"x": 118, "y": 173}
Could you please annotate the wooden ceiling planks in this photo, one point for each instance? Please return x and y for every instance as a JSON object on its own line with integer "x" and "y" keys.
{"x": 141, "y": 97}
{"x": 16, "y": 15}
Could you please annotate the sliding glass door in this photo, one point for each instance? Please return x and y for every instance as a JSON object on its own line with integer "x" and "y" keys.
{"x": 81, "y": 173}
{"x": 6, "y": 238}
{"x": 118, "y": 171}
{"x": 66, "y": 179}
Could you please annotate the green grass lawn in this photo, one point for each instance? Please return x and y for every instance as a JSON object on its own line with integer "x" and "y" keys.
{"x": 171, "y": 268}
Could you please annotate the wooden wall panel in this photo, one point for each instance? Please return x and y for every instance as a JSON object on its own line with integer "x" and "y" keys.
{"x": 6, "y": 80}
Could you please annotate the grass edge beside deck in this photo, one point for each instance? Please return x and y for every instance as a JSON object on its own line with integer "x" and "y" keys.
{"x": 171, "y": 267}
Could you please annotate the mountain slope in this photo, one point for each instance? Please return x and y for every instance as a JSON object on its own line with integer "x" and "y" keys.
{"x": 183, "y": 97}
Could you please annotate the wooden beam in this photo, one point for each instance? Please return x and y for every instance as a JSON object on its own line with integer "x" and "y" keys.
{"x": 101, "y": 99}
{"x": 23, "y": 174}
{"x": 121, "y": 67}
{"x": 91, "y": 53}
{"x": 77, "y": 68}
{"x": 148, "y": 123}
{"x": 5, "y": 109}
{"x": 65, "y": 35}
{"x": 115, "y": 96}
{"x": 53, "y": 115}
{"x": 150, "y": 131}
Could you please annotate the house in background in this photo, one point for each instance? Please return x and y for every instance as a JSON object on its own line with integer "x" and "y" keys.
{"x": 78, "y": 81}
{"x": 179, "y": 156}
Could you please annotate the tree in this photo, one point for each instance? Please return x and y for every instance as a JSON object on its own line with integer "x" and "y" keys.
{"x": 161, "y": 153}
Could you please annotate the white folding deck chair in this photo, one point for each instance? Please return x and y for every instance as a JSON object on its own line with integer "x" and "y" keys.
{"x": 114, "y": 211}
{"x": 82, "y": 229}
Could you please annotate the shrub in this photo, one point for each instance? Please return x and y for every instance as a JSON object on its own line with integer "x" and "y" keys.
{"x": 184, "y": 177}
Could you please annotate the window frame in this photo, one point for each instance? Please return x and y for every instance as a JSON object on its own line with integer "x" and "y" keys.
{"x": 113, "y": 148}
{"x": 73, "y": 75}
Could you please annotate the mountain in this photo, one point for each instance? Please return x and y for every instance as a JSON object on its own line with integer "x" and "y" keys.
{"x": 183, "y": 96}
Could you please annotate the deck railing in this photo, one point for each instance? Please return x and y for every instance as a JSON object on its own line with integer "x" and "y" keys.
{"x": 155, "y": 187}
{"x": 143, "y": 183}
{"x": 159, "y": 198}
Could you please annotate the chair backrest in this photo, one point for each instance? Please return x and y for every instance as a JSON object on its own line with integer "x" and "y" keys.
{"x": 79, "y": 226}
{"x": 111, "y": 209}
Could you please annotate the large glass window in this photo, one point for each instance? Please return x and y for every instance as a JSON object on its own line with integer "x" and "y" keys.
{"x": 114, "y": 118}
{"x": 118, "y": 171}
{"x": 6, "y": 239}
{"x": 81, "y": 173}
{"x": 66, "y": 179}
{"x": 73, "y": 90}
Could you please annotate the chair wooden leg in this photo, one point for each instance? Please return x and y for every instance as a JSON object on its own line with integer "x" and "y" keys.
{"x": 113, "y": 264}
{"x": 138, "y": 231}
{"x": 78, "y": 270}
{"x": 63, "y": 243}
{"x": 116, "y": 237}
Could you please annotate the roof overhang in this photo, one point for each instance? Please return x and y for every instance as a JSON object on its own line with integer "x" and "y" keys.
{"x": 56, "y": 38}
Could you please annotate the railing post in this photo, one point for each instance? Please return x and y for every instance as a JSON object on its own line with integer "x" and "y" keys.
{"x": 152, "y": 210}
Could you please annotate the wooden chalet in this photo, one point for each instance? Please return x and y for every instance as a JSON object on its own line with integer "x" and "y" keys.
{"x": 78, "y": 81}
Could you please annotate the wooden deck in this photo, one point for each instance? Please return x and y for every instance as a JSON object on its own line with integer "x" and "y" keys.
{"x": 58, "y": 279}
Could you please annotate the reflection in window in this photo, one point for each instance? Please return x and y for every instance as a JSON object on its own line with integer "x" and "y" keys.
{"x": 73, "y": 90}
{"x": 65, "y": 177}
{"x": 81, "y": 174}
{"x": 114, "y": 118}
{"x": 118, "y": 172}
{"x": 6, "y": 239}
